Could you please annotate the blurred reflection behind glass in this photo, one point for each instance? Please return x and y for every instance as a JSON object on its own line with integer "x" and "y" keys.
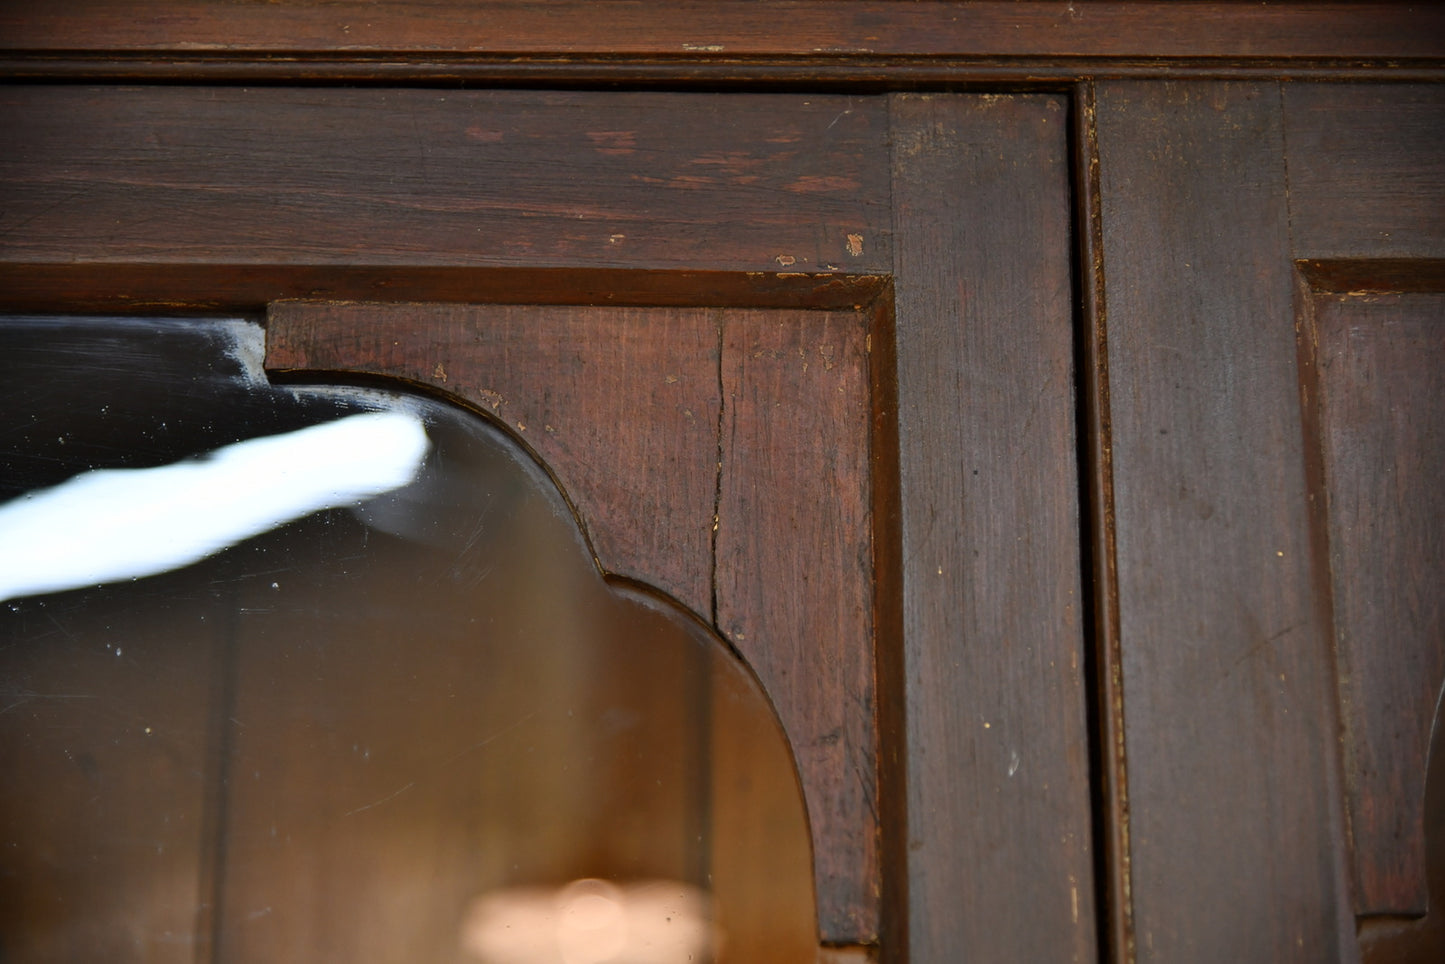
{"x": 380, "y": 732}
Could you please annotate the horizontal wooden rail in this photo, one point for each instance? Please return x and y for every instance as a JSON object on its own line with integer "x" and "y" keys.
{"x": 715, "y": 41}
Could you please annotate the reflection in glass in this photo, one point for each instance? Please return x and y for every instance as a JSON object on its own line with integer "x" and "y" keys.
{"x": 590, "y": 921}
{"x": 408, "y": 722}
{"x": 110, "y": 524}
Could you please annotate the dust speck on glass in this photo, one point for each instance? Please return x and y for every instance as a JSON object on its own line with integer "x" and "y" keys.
{"x": 300, "y": 672}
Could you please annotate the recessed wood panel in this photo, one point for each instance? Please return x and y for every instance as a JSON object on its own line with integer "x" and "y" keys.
{"x": 1379, "y": 384}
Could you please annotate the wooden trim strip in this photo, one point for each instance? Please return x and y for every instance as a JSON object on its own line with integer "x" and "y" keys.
{"x": 735, "y": 28}
{"x": 1116, "y": 925}
{"x": 852, "y": 72}
{"x": 131, "y": 287}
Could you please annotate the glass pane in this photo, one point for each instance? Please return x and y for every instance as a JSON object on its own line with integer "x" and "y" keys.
{"x": 328, "y": 673}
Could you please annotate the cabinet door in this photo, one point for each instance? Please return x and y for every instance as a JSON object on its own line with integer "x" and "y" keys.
{"x": 1275, "y": 334}
{"x": 901, "y": 568}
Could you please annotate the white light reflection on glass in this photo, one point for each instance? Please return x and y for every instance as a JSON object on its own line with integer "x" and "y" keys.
{"x": 592, "y": 921}
{"x": 113, "y": 524}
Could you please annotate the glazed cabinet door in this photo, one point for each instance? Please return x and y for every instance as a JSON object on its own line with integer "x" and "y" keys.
{"x": 801, "y": 364}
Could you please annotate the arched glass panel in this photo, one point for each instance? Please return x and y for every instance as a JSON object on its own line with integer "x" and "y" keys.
{"x": 329, "y": 673}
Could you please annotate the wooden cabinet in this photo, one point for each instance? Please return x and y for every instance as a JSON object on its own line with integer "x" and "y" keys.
{"x": 1062, "y": 451}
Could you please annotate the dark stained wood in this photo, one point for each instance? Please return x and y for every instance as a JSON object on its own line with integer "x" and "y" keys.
{"x": 795, "y": 573}
{"x": 1366, "y": 170}
{"x": 1367, "y": 203}
{"x": 620, "y": 405}
{"x": 1421, "y": 941}
{"x": 1101, "y": 575}
{"x": 705, "y": 71}
{"x": 998, "y": 756}
{"x": 1375, "y": 274}
{"x": 278, "y": 176}
{"x": 735, "y": 28}
{"x": 1379, "y": 372}
{"x": 184, "y": 200}
{"x": 1234, "y": 795}
{"x": 135, "y": 288}
{"x": 890, "y": 686}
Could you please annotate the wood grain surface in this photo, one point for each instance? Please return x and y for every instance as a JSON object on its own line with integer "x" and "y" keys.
{"x": 998, "y": 751}
{"x": 1418, "y": 940}
{"x": 1366, "y": 170}
{"x": 1234, "y": 793}
{"x": 795, "y": 571}
{"x": 1381, "y": 430}
{"x": 1367, "y": 207}
{"x": 287, "y": 176}
{"x": 980, "y": 28}
{"x": 138, "y": 288}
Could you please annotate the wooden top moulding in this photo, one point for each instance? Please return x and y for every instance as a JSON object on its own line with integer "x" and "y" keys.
{"x": 853, "y": 41}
